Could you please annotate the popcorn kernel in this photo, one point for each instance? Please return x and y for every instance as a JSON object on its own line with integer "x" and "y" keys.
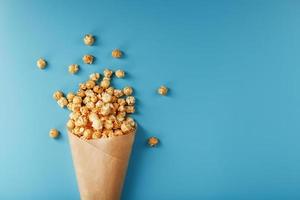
{"x": 107, "y": 73}
{"x": 57, "y": 95}
{"x": 94, "y": 76}
{"x": 163, "y": 90}
{"x": 120, "y": 73}
{"x": 116, "y": 53}
{"x": 128, "y": 91}
{"x": 62, "y": 102}
{"x": 73, "y": 69}
{"x": 41, "y": 63}
{"x": 153, "y": 141}
{"x": 53, "y": 133}
{"x": 89, "y": 39}
{"x": 88, "y": 59}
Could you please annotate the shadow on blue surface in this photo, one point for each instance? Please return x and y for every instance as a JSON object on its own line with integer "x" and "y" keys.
{"x": 134, "y": 168}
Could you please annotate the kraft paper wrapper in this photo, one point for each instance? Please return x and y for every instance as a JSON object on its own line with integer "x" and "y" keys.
{"x": 101, "y": 165}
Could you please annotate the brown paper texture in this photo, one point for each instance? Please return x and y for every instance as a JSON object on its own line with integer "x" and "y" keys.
{"x": 101, "y": 165}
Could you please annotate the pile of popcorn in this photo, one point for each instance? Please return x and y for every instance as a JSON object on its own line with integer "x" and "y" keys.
{"x": 99, "y": 110}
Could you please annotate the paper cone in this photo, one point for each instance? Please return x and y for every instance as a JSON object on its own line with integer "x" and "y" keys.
{"x": 101, "y": 165}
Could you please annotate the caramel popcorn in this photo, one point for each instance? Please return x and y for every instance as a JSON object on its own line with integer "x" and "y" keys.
{"x": 82, "y": 86}
{"x": 70, "y": 96}
{"x": 53, "y": 133}
{"x": 81, "y": 121}
{"x": 106, "y": 97}
{"x": 116, "y": 53}
{"x": 98, "y": 109}
{"x": 105, "y": 83}
{"x": 81, "y": 93}
{"x": 127, "y": 127}
{"x": 73, "y": 69}
{"x": 110, "y": 90}
{"x": 130, "y": 100}
{"x": 62, "y": 102}
{"x": 120, "y": 73}
{"x": 153, "y": 141}
{"x": 88, "y": 59}
{"x": 118, "y": 93}
{"x": 127, "y": 91}
{"x": 108, "y": 124}
{"x": 106, "y": 109}
{"x": 94, "y": 76}
{"x": 163, "y": 90}
{"x": 97, "y": 89}
{"x": 77, "y": 100}
{"x": 107, "y": 73}
{"x": 89, "y": 39}
{"x": 87, "y": 134}
{"x": 57, "y": 95}
{"x": 41, "y": 63}
{"x": 130, "y": 109}
{"x": 71, "y": 124}
{"x": 97, "y": 135}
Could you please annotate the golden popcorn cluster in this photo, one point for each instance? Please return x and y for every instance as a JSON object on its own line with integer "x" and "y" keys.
{"x": 99, "y": 110}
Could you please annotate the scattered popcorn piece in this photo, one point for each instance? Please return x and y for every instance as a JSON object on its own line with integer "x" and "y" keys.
{"x": 94, "y": 76}
{"x": 163, "y": 90}
{"x": 153, "y": 141}
{"x": 116, "y": 53}
{"x": 128, "y": 91}
{"x": 107, "y": 73}
{"x": 57, "y": 95}
{"x": 89, "y": 39}
{"x": 73, "y": 69}
{"x": 88, "y": 59}
{"x": 41, "y": 63}
{"x": 120, "y": 73}
{"x": 62, "y": 102}
{"x": 53, "y": 133}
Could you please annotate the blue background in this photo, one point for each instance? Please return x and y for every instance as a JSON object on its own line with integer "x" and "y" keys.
{"x": 229, "y": 128}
